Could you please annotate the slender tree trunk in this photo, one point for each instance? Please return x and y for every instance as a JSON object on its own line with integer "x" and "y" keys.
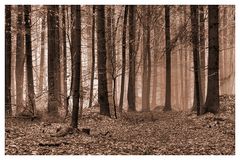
{"x": 113, "y": 61}
{"x": 57, "y": 67}
{"x": 146, "y": 62}
{"x": 77, "y": 66}
{"x": 182, "y": 66}
{"x": 102, "y": 77}
{"x": 167, "y": 106}
{"x": 197, "y": 69}
{"x": 155, "y": 80}
{"x": 149, "y": 67}
{"x": 93, "y": 57}
{"x": 28, "y": 44}
{"x": 202, "y": 51}
{"x": 8, "y": 56}
{"x": 109, "y": 51}
{"x": 72, "y": 48}
{"x": 212, "y": 100}
{"x": 20, "y": 59}
{"x": 186, "y": 67}
{"x": 132, "y": 61}
{"x": 123, "y": 58}
{"x": 65, "y": 100}
{"x": 42, "y": 57}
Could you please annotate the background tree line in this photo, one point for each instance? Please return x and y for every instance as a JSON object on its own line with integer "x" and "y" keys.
{"x": 131, "y": 58}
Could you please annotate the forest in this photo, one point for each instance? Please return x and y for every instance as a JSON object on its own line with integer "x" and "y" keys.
{"x": 119, "y": 79}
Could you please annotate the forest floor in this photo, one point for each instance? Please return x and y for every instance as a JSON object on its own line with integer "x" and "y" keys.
{"x": 141, "y": 133}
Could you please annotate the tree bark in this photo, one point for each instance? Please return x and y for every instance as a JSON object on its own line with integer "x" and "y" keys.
{"x": 202, "y": 51}
{"x": 20, "y": 59}
{"x": 132, "y": 55}
{"x": 146, "y": 62}
{"x": 102, "y": 75}
{"x": 64, "y": 61}
{"x": 28, "y": 44}
{"x": 42, "y": 57}
{"x": 53, "y": 48}
{"x": 167, "y": 106}
{"x": 77, "y": 66}
{"x": 8, "y": 56}
{"x": 93, "y": 57}
{"x": 212, "y": 100}
{"x": 109, "y": 51}
{"x": 123, "y": 58}
{"x": 197, "y": 68}
{"x": 156, "y": 48}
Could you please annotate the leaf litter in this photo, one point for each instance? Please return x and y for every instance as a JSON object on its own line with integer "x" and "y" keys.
{"x": 135, "y": 133}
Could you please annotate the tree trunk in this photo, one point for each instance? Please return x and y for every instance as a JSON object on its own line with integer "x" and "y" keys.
{"x": 123, "y": 58}
{"x": 77, "y": 66}
{"x": 202, "y": 51}
{"x": 109, "y": 51}
{"x": 146, "y": 62}
{"x": 182, "y": 67}
{"x": 28, "y": 44}
{"x": 167, "y": 106}
{"x": 186, "y": 67}
{"x": 20, "y": 59}
{"x": 57, "y": 66}
{"x": 212, "y": 100}
{"x": 132, "y": 61}
{"x": 42, "y": 57}
{"x": 64, "y": 61}
{"x": 197, "y": 68}
{"x": 93, "y": 57}
{"x": 8, "y": 56}
{"x": 102, "y": 76}
{"x": 155, "y": 80}
{"x": 53, "y": 48}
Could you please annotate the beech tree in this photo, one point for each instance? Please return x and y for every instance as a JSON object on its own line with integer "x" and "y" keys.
{"x": 20, "y": 60}
{"x": 93, "y": 57}
{"x": 212, "y": 100}
{"x": 77, "y": 64}
{"x": 64, "y": 42}
{"x": 132, "y": 52}
{"x": 53, "y": 59}
{"x": 101, "y": 52}
{"x": 42, "y": 57}
{"x": 167, "y": 106}
{"x": 28, "y": 44}
{"x": 123, "y": 57}
{"x": 146, "y": 61}
{"x": 8, "y": 55}
{"x": 197, "y": 71}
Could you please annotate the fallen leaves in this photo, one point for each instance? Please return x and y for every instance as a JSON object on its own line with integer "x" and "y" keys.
{"x": 158, "y": 133}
